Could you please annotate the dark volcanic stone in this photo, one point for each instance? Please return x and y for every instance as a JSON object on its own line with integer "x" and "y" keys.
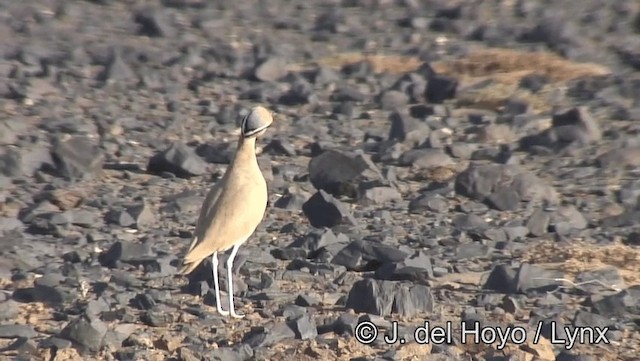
{"x": 625, "y": 303}
{"x": 154, "y": 23}
{"x": 441, "y": 88}
{"x": 76, "y": 157}
{"x": 262, "y": 337}
{"x": 16, "y": 162}
{"x": 416, "y": 267}
{"x": 178, "y": 159}
{"x": 87, "y": 333}
{"x": 362, "y": 255}
{"x": 404, "y": 128}
{"x": 385, "y": 297}
{"x": 502, "y": 279}
{"x": 323, "y": 210}
{"x": 305, "y": 327}
{"x": 335, "y": 173}
{"x": 16, "y": 331}
{"x": 129, "y": 252}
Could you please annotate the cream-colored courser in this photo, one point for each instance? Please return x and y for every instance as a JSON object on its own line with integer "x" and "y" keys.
{"x": 233, "y": 208}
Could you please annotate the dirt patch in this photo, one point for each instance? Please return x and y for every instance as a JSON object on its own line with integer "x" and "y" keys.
{"x": 581, "y": 256}
{"x": 487, "y": 76}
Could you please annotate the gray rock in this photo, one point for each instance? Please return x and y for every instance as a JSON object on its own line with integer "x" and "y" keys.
{"x": 16, "y": 331}
{"x": 335, "y": 173}
{"x": 538, "y": 223}
{"x": 622, "y": 304}
{"x": 385, "y": 297}
{"x": 620, "y": 157}
{"x": 128, "y": 252}
{"x": 322, "y": 210}
{"x": 16, "y": 162}
{"x": 379, "y": 195}
{"x": 178, "y": 159}
{"x": 505, "y": 199}
{"x": 88, "y": 333}
{"x": 408, "y": 130}
{"x": 264, "y": 337}
{"x": 271, "y": 69}
{"x": 305, "y": 327}
{"x": 567, "y": 218}
{"x": 76, "y": 157}
{"x": 533, "y": 278}
{"x": 154, "y": 23}
{"x": 417, "y": 268}
{"x": 425, "y": 158}
{"x": 358, "y": 254}
{"x": 392, "y": 100}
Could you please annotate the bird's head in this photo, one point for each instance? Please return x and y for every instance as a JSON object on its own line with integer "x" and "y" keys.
{"x": 256, "y": 122}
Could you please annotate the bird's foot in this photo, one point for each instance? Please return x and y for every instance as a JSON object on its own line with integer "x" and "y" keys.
{"x": 236, "y": 315}
{"x": 222, "y": 312}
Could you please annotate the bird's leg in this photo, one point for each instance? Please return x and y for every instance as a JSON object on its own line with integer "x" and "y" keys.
{"x": 232, "y": 256}
{"x": 216, "y": 284}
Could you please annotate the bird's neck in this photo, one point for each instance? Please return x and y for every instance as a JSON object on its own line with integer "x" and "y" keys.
{"x": 246, "y": 150}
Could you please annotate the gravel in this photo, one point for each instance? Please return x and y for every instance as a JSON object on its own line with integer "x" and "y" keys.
{"x": 429, "y": 161}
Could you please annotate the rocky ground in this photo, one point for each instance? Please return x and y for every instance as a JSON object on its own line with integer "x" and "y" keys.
{"x": 431, "y": 160}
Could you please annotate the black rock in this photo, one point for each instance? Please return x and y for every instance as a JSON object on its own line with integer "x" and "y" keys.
{"x": 154, "y": 23}
{"x": 128, "y": 252}
{"x": 625, "y": 303}
{"x": 346, "y": 324}
{"x": 335, "y": 173}
{"x": 440, "y": 88}
{"x": 86, "y": 333}
{"x": 385, "y": 297}
{"x": 347, "y": 94}
{"x": 178, "y": 159}
{"x": 428, "y": 202}
{"x": 588, "y": 319}
{"x": 567, "y": 356}
{"x": 16, "y": 331}
{"x": 142, "y": 214}
{"x": 157, "y": 318}
{"x": 76, "y": 158}
{"x": 290, "y": 201}
{"x": 406, "y": 129}
{"x": 319, "y": 238}
{"x": 501, "y": 279}
{"x": 365, "y": 255}
{"x": 262, "y": 337}
{"x": 416, "y": 267}
{"x": 323, "y": 210}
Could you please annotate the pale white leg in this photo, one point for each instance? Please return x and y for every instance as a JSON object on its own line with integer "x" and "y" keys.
{"x": 232, "y": 256}
{"x": 216, "y": 284}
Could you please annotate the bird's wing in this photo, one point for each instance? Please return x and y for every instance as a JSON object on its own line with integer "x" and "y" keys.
{"x": 229, "y": 221}
{"x": 205, "y": 213}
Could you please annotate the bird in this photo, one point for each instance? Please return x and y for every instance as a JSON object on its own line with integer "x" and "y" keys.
{"x": 233, "y": 208}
